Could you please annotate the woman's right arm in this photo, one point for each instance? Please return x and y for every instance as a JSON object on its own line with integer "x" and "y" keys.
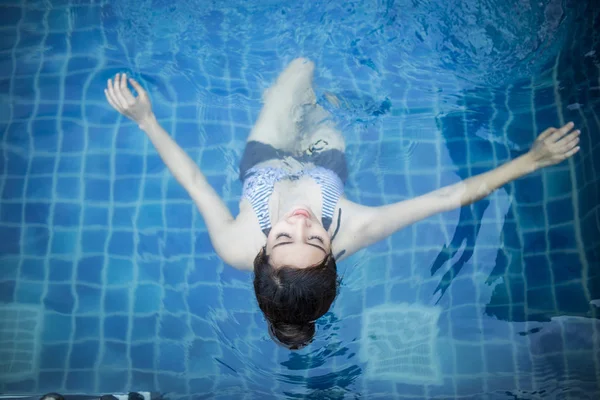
{"x": 222, "y": 229}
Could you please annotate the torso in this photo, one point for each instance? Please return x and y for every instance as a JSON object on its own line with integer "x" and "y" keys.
{"x": 286, "y": 193}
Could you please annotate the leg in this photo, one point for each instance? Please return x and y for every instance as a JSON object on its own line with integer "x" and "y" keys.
{"x": 321, "y": 132}
{"x": 324, "y": 144}
{"x": 278, "y": 124}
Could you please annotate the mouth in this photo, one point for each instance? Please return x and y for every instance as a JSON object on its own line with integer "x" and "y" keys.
{"x": 301, "y": 212}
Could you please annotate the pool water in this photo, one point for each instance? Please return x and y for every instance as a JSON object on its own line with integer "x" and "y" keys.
{"x": 109, "y": 283}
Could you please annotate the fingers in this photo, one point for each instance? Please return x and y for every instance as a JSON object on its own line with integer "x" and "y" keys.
{"x": 120, "y": 91}
{"x": 118, "y": 94}
{"x": 125, "y": 91}
{"x": 112, "y": 97}
{"x": 138, "y": 88}
{"x": 569, "y": 141}
{"x": 112, "y": 92}
{"x": 559, "y": 133}
{"x": 112, "y": 101}
{"x": 571, "y": 152}
{"x": 569, "y": 144}
{"x": 546, "y": 133}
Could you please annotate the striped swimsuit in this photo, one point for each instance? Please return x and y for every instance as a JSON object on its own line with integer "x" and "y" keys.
{"x": 259, "y": 184}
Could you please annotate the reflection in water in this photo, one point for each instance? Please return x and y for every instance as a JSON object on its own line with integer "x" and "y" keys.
{"x": 464, "y": 238}
{"x": 353, "y": 108}
{"x": 481, "y": 43}
{"x": 300, "y": 362}
{"x": 334, "y": 385}
{"x": 544, "y": 279}
{"x": 399, "y": 343}
{"x": 538, "y": 274}
{"x": 567, "y": 347}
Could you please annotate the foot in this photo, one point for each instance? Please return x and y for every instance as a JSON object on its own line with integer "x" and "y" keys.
{"x": 285, "y": 106}
{"x": 294, "y": 84}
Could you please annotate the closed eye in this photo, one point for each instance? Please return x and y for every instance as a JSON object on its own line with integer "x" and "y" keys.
{"x": 319, "y": 238}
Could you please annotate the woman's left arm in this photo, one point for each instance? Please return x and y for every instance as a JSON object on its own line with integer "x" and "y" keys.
{"x": 372, "y": 224}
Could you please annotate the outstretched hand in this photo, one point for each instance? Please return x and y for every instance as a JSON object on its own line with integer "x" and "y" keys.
{"x": 121, "y": 99}
{"x": 554, "y": 145}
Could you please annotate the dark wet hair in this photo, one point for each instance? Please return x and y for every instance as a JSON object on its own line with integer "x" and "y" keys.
{"x": 292, "y": 299}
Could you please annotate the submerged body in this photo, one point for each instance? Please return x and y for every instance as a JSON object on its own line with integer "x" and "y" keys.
{"x": 293, "y": 171}
{"x": 294, "y": 221}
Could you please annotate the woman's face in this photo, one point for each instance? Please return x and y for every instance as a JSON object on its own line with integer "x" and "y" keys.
{"x": 298, "y": 240}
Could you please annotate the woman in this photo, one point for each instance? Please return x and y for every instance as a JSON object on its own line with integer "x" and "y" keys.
{"x": 294, "y": 222}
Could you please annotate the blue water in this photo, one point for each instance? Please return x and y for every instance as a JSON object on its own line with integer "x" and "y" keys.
{"x": 108, "y": 282}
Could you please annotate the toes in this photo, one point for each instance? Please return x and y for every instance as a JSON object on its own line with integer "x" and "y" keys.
{"x": 299, "y": 70}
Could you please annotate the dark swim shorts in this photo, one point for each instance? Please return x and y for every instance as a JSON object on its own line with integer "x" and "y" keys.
{"x": 258, "y": 152}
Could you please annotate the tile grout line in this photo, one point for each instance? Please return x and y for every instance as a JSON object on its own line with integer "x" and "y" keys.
{"x": 513, "y": 207}
{"x": 25, "y": 180}
{"x": 191, "y": 259}
{"x": 440, "y": 218}
{"x": 221, "y": 265}
{"x": 228, "y": 79}
{"x": 575, "y": 202}
{"x": 159, "y": 101}
{"x": 78, "y": 247}
{"x": 52, "y": 207}
{"x": 583, "y": 277}
{"x": 106, "y": 259}
{"x": 591, "y": 152}
{"x": 363, "y": 253}
{"x": 164, "y": 196}
{"x": 187, "y": 286}
{"x": 546, "y": 237}
{"x": 575, "y": 198}
{"x": 468, "y": 166}
{"x": 136, "y": 271}
{"x": 409, "y": 186}
{"x": 500, "y": 227}
{"x": 132, "y": 61}
{"x": 11, "y": 107}
{"x": 166, "y": 121}
{"x": 515, "y": 211}
{"x": 253, "y": 325}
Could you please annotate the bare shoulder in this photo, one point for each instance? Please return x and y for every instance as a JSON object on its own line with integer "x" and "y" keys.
{"x": 246, "y": 240}
{"x": 347, "y": 228}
